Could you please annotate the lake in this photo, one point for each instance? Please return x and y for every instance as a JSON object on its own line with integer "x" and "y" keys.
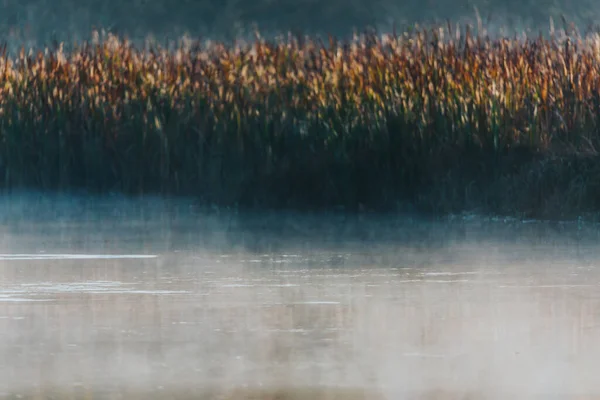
{"x": 117, "y": 298}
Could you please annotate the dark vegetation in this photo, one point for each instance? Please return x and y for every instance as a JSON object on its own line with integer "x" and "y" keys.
{"x": 442, "y": 124}
{"x": 41, "y": 20}
{"x": 437, "y": 119}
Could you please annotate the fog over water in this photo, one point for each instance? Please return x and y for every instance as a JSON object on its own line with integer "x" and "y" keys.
{"x": 147, "y": 298}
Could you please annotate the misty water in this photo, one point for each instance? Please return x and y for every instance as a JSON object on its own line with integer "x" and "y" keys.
{"x": 119, "y": 299}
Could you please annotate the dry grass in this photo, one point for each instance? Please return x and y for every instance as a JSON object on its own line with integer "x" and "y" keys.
{"x": 435, "y": 117}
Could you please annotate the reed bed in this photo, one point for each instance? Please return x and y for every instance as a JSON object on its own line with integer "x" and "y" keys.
{"x": 437, "y": 118}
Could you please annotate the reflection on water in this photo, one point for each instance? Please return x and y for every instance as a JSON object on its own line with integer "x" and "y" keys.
{"x": 155, "y": 300}
{"x": 42, "y": 256}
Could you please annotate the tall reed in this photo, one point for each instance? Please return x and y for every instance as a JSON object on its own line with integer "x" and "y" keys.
{"x": 295, "y": 121}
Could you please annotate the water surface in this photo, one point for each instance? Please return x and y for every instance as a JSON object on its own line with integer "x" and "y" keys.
{"x": 145, "y": 298}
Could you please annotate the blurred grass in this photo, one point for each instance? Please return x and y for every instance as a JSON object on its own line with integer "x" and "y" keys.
{"x": 39, "y": 21}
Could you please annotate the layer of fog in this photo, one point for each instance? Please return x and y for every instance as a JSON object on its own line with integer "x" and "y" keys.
{"x": 401, "y": 305}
